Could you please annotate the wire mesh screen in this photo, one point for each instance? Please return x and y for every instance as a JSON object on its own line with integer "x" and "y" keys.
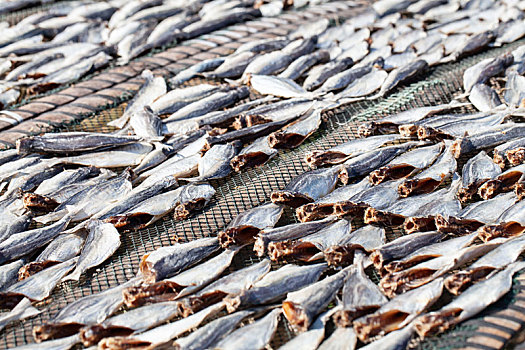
{"x": 241, "y": 191}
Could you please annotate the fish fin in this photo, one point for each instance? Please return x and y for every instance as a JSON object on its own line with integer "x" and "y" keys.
{"x": 232, "y": 82}
{"x": 119, "y": 122}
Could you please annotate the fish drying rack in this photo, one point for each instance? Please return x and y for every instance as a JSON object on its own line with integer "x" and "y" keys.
{"x": 500, "y": 326}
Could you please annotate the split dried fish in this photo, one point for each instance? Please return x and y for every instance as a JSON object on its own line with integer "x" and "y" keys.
{"x": 310, "y": 339}
{"x": 301, "y": 307}
{"x": 9, "y": 273}
{"x": 484, "y": 98}
{"x": 401, "y": 75}
{"x": 307, "y": 187}
{"x": 245, "y": 226}
{"x": 501, "y": 182}
{"x": 178, "y": 98}
{"x": 192, "y": 71}
{"x": 193, "y": 197}
{"x": 168, "y": 261}
{"x": 514, "y": 90}
{"x": 510, "y": 223}
{"x": 394, "y": 340}
{"x": 275, "y": 86}
{"x": 484, "y": 70}
{"x": 230, "y": 285}
{"x": 275, "y": 285}
{"x": 365, "y": 85}
{"x": 233, "y": 66}
{"x": 21, "y": 311}
{"x": 263, "y": 45}
{"x": 346, "y": 77}
{"x": 342, "y": 152}
{"x": 316, "y": 78}
{"x": 254, "y": 336}
{"x": 255, "y": 154}
{"x": 512, "y": 151}
{"x": 484, "y": 267}
{"x": 295, "y": 133}
{"x": 469, "y": 303}
{"x": 215, "y": 163}
{"x": 398, "y": 312}
{"x": 302, "y": 64}
{"x": 182, "y": 284}
{"x": 475, "y": 172}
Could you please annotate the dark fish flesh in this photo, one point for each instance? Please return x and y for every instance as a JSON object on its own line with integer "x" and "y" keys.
{"x": 509, "y": 224}
{"x": 512, "y": 151}
{"x": 501, "y": 182}
{"x": 255, "y": 154}
{"x": 475, "y": 172}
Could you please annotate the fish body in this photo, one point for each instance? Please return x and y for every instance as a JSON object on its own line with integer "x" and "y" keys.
{"x": 302, "y": 64}
{"x": 484, "y": 98}
{"x": 255, "y": 154}
{"x": 476, "y": 171}
{"x": 319, "y": 76}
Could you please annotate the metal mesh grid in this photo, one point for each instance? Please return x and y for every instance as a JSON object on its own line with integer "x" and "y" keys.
{"x": 239, "y": 192}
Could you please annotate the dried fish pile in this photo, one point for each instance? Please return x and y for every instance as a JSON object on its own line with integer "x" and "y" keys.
{"x": 464, "y": 223}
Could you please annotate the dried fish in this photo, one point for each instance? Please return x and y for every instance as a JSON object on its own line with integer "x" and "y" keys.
{"x": 153, "y": 88}
{"x": 215, "y": 163}
{"x": 254, "y": 336}
{"x": 398, "y": 312}
{"x": 342, "y": 152}
{"x": 310, "y": 339}
{"x": 501, "y": 182}
{"x": 514, "y": 90}
{"x": 366, "y": 239}
{"x": 319, "y": 76}
{"x": 161, "y": 335}
{"x": 514, "y": 151}
{"x": 365, "y": 85}
{"x": 520, "y": 188}
{"x": 21, "y": 311}
{"x": 178, "y": 166}
{"x": 402, "y": 281}
{"x": 230, "y": 285}
{"x": 9, "y": 273}
{"x": 192, "y": 71}
{"x": 474, "y": 44}
{"x": 484, "y": 98}
{"x": 297, "y": 132}
{"x": 38, "y": 286}
{"x": 67, "y": 142}
{"x": 180, "y": 285}
{"x": 300, "y": 307}
{"x": 341, "y": 338}
{"x": 475, "y": 172}
{"x": 146, "y": 125}
{"x": 102, "y": 241}
{"x": 348, "y": 76}
{"x": 210, "y": 103}
{"x": 403, "y": 246}
{"x": 233, "y": 66}
{"x": 211, "y": 333}
{"x": 275, "y": 285}
{"x": 326, "y": 205}
{"x": 371, "y": 160}
{"x": 245, "y": 226}
{"x": 302, "y": 64}
{"x": 499, "y": 258}
{"x": 193, "y": 197}
{"x": 13, "y": 224}
{"x": 406, "y": 164}
{"x": 88, "y": 310}
{"x": 220, "y": 20}
{"x": 275, "y": 86}
{"x": 255, "y": 154}
{"x": 26, "y": 242}
{"x": 263, "y": 45}
{"x": 168, "y": 261}
{"x": 469, "y": 303}
{"x": 402, "y": 74}
{"x": 484, "y": 70}
{"x": 428, "y": 180}
{"x": 178, "y": 98}
{"x": 510, "y": 223}
{"x": 307, "y": 187}
{"x": 65, "y": 178}
{"x": 394, "y": 340}
{"x": 57, "y": 344}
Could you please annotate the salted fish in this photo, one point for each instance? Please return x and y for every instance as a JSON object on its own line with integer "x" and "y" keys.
{"x": 208, "y": 335}
{"x": 233, "y": 66}
{"x": 398, "y": 312}
{"x": 406, "y": 164}
{"x": 182, "y": 284}
{"x": 146, "y": 124}
{"x": 88, "y": 310}
{"x": 184, "y": 75}
{"x": 514, "y": 90}
{"x": 26, "y": 242}
{"x": 402, "y": 281}
{"x": 364, "y": 239}
{"x": 159, "y": 154}
{"x": 429, "y": 179}
{"x": 275, "y": 285}
{"x": 501, "y": 182}
{"x": 57, "y": 344}
{"x": 13, "y": 224}
{"x": 487, "y": 137}
{"x": 215, "y": 163}
{"x": 175, "y": 99}
{"x": 295, "y": 133}
{"x": 390, "y": 124}
{"x": 512, "y": 152}
{"x": 245, "y": 226}
{"x": 163, "y": 334}
{"x": 168, "y": 261}
{"x": 364, "y": 86}
{"x": 343, "y": 152}
{"x": 402, "y": 74}
{"x": 472, "y": 301}
{"x": 153, "y": 88}
{"x": 193, "y": 197}
{"x": 346, "y": 77}
{"x": 476, "y": 171}
{"x": 254, "y": 336}
{"x": 64, "y": 247}
{"x": 301, "y": 306}
{"x": 255, "y": 154}
{"x": 65, "y": 178}
{"x": 69, "y": 142}
{"x": 340, "y": 339}
{"x": 395, "y": 340}
{"x": 298, "y": 67}
{"x": 310, "y": 339}
{"x": 21, "y": 311}
{"x": 510, "y": 223}
{"x": 475, "y": 215}
{"x": 9, "y": 273}
{"x": 484, "y": 267}
{"x": 371, "y": 160}
{"x": 520, "y": 188}
{"x": 230, "y": 285}
{"x": 316, "y": 78}
{"x": 37, "y": 287}
{"x": 275, "y": 86}
{"x": 484, "y": 70}
{"x": 311, "y": 246}
{"x": 102, "y": 241}
{"x": 484, "y": 98}
{"x": 307, "y": 187}
{"x": 326, "y": 206}
{"x": 221, "y": 20}
{"x": 178, "y": 166}
{"x": 403, "y": 246}
{"x": 135, "y": 320}
{"x": 360, "y": 296}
